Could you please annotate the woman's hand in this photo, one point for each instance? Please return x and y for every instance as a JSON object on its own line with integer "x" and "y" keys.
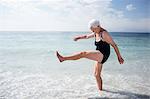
{"x": 120, "y": 59}
{"x": 76, "y": 38}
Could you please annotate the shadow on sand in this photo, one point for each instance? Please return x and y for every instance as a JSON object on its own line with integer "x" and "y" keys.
{"x": 128, "y": 95}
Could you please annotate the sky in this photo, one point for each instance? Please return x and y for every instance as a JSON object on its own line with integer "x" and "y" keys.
{"x": 74, "y": 15}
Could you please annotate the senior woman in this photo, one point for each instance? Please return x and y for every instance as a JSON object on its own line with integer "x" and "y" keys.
{"x": 102, "y": 42}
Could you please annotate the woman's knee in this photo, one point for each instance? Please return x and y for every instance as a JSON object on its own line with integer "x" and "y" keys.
{"x": 97, "y": 75}
{"x": 83, "y": 53}
{"x": 98, "y": 68}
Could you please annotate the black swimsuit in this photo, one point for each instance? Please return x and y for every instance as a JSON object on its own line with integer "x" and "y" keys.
{"x": 104, "y": 48}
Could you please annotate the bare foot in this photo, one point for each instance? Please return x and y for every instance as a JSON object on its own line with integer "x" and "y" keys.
{"x": 100, "y": 92}
{"x": 61, "y": 59}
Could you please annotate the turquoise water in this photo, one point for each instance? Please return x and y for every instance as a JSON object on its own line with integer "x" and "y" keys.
{"x": 29, "y": 67}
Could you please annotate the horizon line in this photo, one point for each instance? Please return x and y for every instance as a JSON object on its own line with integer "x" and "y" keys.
{"x": 75, "y": 31}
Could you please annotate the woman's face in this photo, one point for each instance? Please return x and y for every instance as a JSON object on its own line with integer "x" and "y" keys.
{"x": 96, "y": 29}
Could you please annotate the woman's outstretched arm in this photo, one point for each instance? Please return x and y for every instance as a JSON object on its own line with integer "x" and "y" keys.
{"x": 109, "y": 40}
{"x": 87, "y": 36}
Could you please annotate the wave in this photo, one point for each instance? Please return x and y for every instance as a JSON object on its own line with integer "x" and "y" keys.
{"x": 37, "y": 86}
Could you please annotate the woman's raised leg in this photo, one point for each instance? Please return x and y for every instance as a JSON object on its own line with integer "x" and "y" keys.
{"x": 92, "y": 55}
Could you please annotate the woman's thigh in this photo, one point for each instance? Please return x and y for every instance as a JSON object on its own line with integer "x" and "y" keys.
{"x": 94, "y": 55}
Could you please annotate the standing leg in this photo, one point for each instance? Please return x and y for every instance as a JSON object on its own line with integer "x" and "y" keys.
{"x": 92, "y": 55}
{"x": 97, "y": 73}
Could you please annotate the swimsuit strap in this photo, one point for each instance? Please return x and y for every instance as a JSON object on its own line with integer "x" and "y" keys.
{"x": 102, "y": 37}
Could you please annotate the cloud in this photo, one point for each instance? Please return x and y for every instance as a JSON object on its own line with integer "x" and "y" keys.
{"x": 54, "y": 14}
{"x": 130, "y": 7}
{"x": 62, "y": 15}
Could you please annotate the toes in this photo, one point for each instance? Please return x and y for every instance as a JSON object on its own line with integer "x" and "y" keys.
{"x": 57, "y": 54}
{"x": 59, "y": 57}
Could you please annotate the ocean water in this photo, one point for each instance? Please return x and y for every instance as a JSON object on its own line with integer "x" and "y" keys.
{"x": 29, "y": 68}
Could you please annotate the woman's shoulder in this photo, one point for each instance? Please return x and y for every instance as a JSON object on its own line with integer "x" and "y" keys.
{"x": 104, "y": 32}
{"x": 105, "y": 35}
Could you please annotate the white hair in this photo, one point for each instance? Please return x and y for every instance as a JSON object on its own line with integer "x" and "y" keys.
{"x": 93, "y": 23}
